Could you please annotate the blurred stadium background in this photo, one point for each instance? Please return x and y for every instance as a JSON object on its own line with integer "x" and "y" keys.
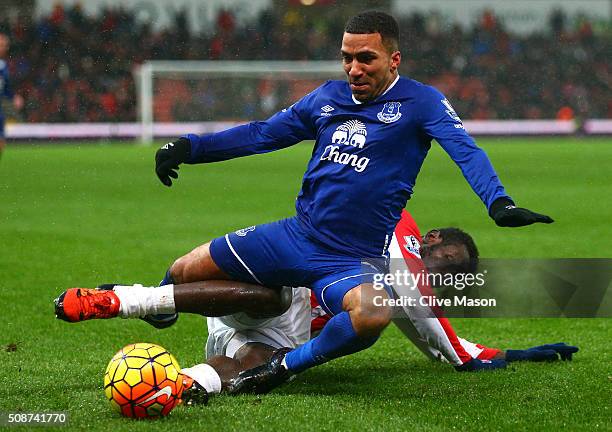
{"x": 79, "y": 61}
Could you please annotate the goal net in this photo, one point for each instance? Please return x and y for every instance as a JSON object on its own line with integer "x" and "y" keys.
{"x": 177, "y": 97}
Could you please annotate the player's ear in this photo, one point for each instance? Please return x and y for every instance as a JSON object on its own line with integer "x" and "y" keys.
{"x": 396, "y": 59}
{"x": 433, "y": 237}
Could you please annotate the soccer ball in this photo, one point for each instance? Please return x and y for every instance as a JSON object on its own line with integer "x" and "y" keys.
{"x": 143, "y": 380}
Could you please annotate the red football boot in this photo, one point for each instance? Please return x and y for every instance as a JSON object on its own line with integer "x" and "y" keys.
{"x": 80, "y": 304}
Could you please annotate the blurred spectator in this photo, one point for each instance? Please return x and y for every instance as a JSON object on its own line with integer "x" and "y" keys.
{"x": 73, "y": 67}
{"x": 6, "y": 90}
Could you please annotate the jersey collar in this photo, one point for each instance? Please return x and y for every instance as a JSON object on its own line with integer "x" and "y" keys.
{"x": 385, "y": 92}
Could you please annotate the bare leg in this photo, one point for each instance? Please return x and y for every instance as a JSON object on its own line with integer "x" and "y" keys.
{"x": 197, "y": 285}
{"x": 254, "y": 354}
{"x": 368, "y": 318}
{"x": 223, "y": 297}
{"x": 197, "y": 266}
{"x": 202, "y": 287}
{"x": 249, "y": 356}
{"x": 226, "y": 367}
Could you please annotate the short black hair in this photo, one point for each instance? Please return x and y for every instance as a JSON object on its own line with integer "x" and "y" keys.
{"x": 456, "y": 236}
{"x": 376, "y": 22}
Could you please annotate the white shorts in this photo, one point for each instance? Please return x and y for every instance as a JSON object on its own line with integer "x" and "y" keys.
{"x": 226, "y": 335}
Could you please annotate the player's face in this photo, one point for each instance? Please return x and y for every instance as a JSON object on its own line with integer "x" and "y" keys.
{"x": 369, "y": 66}
{"x": 438, "y": 256}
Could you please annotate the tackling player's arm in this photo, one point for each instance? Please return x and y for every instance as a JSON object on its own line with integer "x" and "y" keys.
{"x": 548, "y": 352}
{"x": 441, "y": 122}
{"x": 284, "y": 129}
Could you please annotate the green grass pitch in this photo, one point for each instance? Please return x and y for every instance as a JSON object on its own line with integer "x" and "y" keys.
{"x": 80, "y": 215}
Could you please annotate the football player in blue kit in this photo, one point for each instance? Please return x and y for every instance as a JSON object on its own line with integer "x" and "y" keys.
{"x": 371, "y": 135}
{"x": 5, "y": 87}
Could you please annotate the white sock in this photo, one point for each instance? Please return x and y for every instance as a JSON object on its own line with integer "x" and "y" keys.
{"x": 206, "y": 376}
{"x": 137, "y": 301}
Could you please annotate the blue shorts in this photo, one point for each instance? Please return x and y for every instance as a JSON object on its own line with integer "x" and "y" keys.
{"x": 281, "y": 253}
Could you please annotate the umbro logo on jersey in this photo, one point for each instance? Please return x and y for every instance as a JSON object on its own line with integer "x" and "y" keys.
{"x": 326, "y": 110}
{"x": 167, "y": 146}
{"x": 288, "y": 108}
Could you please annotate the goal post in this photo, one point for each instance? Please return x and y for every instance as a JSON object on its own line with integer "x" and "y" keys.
{"x": 209, "y": 94}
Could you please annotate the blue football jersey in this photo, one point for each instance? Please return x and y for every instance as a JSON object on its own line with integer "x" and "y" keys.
{"x": 365, "y": 159}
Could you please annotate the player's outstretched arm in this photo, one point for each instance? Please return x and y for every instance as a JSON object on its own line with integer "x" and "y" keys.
{"x": 506, "y": 214}
{"x": 441, "y": 122}
{"x": 284, "y": 129}
{"x": 542, "y": 353}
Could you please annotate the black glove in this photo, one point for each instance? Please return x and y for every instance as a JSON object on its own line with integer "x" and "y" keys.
{"x": 506, "y": 214}
{"x": 169, "y": 157}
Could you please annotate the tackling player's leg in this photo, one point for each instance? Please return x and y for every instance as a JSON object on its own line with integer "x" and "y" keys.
{"x": 235, "y": 344}
{"x": 195, "y": 266}
{"x": 353, "y": 329}
{"x": 161, "y": 321}
{"x": 208, "y": 298}
{"x": 201, "y": 288}
{"x": 215, "y": 376}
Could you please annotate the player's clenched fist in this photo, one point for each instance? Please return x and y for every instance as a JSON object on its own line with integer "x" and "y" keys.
{"x": 169, "y": 157}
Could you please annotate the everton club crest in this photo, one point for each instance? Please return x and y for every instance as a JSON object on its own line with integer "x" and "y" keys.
{"x": 390, "y": 112}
